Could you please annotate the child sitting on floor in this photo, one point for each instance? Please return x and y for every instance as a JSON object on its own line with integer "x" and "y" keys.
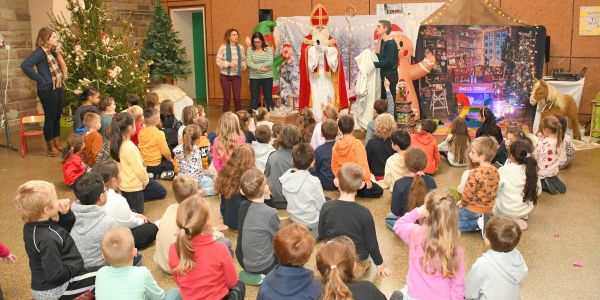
{"x": 350, "y": 149}
{"x": 55, "y": 263}
{"x": 189, "y": 156}
{"x": 424, "y": 139}
{"x": 435, "y": 257}
{"x": 138, "y": 119}
{"x": 229, "y": 136}
{"x": 258, "y": 224}
{"x": 73, "y": 165}
{"x": 487, "y": 119}
{"x": 329, "y": 113}
{"x": 477, "y": 200}
{"x": 245, "y": 122}
{"x": 90, "y": 97}
{"x": 394, "y": 165}
{"x": 120, "y": 279}
{"x": 107, "y": 107}
{"x": 567, "y": 148}
{"x": 379, "y": 107}
{"x": 409, "y": 191}
{"x": 91, "y": 220}
{"x": 306, "y": 122}
{"x": 379, "y": 148}
{"x": 262, "y": 147}
{"x": 188, "y": 115}
{"x": 154, "y": 148}
{"x": 455, "y": 146}
{"x": 334, "y": 220}
{"x": 546, "y": 154}
{"x": 201, "y": 267}
{"x": 262, "y": 117}
{"x": 293, "y": 246}
{"x": 322, "y": 167}
{"x": 279, "y": 162}
{"x": 302, "y": 190}
{"x": 498, "y": 273}
{"x": 92, "y": 138}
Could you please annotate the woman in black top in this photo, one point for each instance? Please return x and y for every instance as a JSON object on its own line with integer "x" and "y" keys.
{"x": 50, "y": 76}
{"x": 387, "y": 53}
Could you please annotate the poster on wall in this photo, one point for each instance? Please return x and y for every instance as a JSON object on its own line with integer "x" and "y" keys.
{"x": 419, "y": 11}
{"x": 589, "y": 20}
{"x": 479, "y": 66}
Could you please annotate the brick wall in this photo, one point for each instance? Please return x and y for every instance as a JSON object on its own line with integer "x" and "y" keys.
{"x": 140, "y": 14}
{"x": 16, "y": 28}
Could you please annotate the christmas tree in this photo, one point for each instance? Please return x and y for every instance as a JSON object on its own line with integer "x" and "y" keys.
{"x": 99, "y": 52}
{"x": 518, "y": 55}
{"x": 163, "y": 48}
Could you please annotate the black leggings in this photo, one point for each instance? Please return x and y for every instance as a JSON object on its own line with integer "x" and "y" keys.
{"x": 52, "y": 103}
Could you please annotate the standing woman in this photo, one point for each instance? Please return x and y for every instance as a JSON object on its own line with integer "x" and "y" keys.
{"x": 231, "y": 61}
{"x": 50, "y": 76}
{"x": 260, "y": 63}
{"x": 387, "y": 54}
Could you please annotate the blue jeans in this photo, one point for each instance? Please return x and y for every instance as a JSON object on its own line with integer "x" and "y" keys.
{"x": 467, "y": 220}
{"x": 390, "y": 220}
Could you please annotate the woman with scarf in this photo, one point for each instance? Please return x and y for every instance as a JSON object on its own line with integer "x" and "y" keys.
{"x": 50, "y": 76}
{"x": 231, "y": 60}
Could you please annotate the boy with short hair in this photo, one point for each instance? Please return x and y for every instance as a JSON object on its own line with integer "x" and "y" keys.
{"x": 55, "y": 263}
{"x": 154, "y": 148}
{"x": 334, "y": 220}
{"x": 498, "y": 273}
{"x": 262, "y": 146}
{"x": 144, "y": 232}
{"x": 302, "y": 190}
{"x": 91, "y": 220}
{"x": 92, "y": 139}
{"x": 394, "y": 165}
{"x": 479, "y": 194}
{"x": 424, "y": 139}
{"x": 280, "y": 161}
{"x": 184, "y": 186}
{"x": 322, "y": 166}
{"x": 120, "y": 279}
{"x": 379, "y": 107}
{"x": 293, "y": 246}
{"x": 350, "y": 149}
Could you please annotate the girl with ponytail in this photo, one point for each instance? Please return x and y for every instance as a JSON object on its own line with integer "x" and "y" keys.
{"x": 134, "y": 177}
{"x": 409, "y": 191}
{"x": 435, "y": 257}
{"x": 336, "y": 261}
{"x": 547, "y": 156}
{"x": 519, "y": 184}
{"x": 73, "y": 163}
{"x": 189, "y": 159}
{"x": 201, "y": 267}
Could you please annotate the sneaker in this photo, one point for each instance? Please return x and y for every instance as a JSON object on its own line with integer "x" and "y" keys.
{"x": 481, "y": 222}
{"x": 251, "y": 278}
{"x": 151, "y": 175}
{"x": 167, "y": 175}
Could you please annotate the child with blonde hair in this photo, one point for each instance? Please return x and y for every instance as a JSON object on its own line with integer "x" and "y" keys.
{"x": 201, "y": 267}
{"x": 435, "y": 257}
{"x": 138, "y": 118}
{"x": 189, "y": 158}
{"x": 336, "y": 262}
{"x": 203, "y": 142}
{"x": 456, "y": 144}
{"x": 330, "y": 112}
{"x": 228, "y": 184}
{"x": 120, "y": 279}
{"x": 394, "y": 165}
{"x": 229, "y": 135}
{"x": 379, "y": 148}
{"x": 188, "y": 115}
{"x": 409, "y": 191}
{"x": 479, "y": 193}
{"x": 73, "y": 164}
{"x": 56, "y": 268}
{"x": 258, "y": 224}
{"x": 547, "y": 156}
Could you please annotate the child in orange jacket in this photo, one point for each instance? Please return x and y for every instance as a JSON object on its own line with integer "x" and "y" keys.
{"x": 425, "y": 140}
{"x": 349, "y": 149}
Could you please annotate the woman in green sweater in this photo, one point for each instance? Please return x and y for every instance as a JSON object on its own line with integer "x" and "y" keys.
{"x": 260, "y": 61}
{"x": 387, "y": 53}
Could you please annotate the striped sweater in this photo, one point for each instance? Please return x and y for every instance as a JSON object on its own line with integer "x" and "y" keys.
{"x": 257, "y": 60}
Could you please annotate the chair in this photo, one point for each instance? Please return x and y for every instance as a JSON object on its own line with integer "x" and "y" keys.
{"x": 293, "y": 101}
{"x": 28, "y": 119}
{"x": 438, "y": 99}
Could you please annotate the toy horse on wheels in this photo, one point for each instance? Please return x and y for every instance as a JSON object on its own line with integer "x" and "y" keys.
{"x": 551, "y": 102}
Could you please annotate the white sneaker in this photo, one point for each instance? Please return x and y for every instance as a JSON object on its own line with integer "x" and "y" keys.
{"x": 481, "y": 225}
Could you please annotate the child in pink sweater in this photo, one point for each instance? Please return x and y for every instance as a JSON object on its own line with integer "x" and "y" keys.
{"x": 432, "y": 274}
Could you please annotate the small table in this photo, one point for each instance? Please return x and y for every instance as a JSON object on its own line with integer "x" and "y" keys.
{"x": 284, "y": 119}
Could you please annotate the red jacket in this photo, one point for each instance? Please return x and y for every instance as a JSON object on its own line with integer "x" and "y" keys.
{"x": 134, "y": 136}
{"x": 4, "y": 252}
{"x": 73, "y": 168}
{"x": 214, "y": 273}
{"x": 426, "y": 141}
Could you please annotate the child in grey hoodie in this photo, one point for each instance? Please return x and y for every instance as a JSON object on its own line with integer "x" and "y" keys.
{"x": 498, "y": 273}
{"x": 279, "y": 162}
{"x": 91, "y": 221}
{"x": 302, "y": 190}
{"x": 262, "y": 146}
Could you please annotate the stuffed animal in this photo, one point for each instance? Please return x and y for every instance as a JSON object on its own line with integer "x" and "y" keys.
{"x": 407, "y": 71}
{"x": 551, "y": 102}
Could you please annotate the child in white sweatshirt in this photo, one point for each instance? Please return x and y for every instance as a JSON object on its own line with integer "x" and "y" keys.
{"x": 262, "y": 146}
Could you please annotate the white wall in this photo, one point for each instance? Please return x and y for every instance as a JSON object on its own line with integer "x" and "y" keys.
{"x": 182, "y": 22}
{"x": 39, "y": 9}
